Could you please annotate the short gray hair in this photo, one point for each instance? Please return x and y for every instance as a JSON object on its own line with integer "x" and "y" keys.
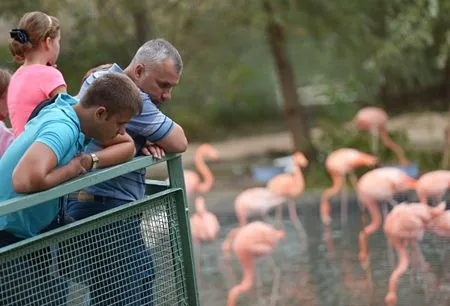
{"x": 157, "y": 51}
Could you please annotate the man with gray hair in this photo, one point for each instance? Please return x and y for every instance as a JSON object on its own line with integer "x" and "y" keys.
{"x": 155, "y": 69}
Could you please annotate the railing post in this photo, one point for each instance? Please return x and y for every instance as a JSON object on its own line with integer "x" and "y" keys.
{"x": 176, "y": 177}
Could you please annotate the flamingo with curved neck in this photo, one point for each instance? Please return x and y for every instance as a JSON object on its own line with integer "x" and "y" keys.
{"x": 339, "y": 163}
{"x": 253, "y": 240}
{"x": 406, "y": 223}
{"x": 202, "y": 181}
{"x": 375, "y": 120}
{"x": 291, "y": 186}
{"x": 375, "y": 186}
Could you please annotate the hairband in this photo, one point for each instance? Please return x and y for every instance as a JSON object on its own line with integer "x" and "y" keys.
{"x": 19, "y": 35}
{"x": 49, "y": 21}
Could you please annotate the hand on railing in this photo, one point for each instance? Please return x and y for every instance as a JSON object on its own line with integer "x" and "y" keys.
{"x": 152, "y": 149}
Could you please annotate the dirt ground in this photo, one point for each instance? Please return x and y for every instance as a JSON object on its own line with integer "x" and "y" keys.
{"x": 424, "y": 130}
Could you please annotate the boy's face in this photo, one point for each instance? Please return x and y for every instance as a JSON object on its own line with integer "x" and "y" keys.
{"x": 109, "y": 126}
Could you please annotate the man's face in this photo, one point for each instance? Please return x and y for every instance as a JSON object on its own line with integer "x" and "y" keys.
{"x": 158, "y": 81}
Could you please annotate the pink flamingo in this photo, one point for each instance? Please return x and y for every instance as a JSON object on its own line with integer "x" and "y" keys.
{"x": 204, "y": 225}
{"x": 253, "y": 240}
{"x": 374, "y": 186}
{"x": 256, "y": 200}
{"x": 339, "y": 163}
{"x": 433, "y": 185}
{"x": 290, "y": 186}
{"x": 192, "y": 179}
{"x": 374, "y": 119}
{"x": 406, "y": 224}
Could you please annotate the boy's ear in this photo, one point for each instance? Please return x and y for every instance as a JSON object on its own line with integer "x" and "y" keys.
{"x": 101, "y": 113}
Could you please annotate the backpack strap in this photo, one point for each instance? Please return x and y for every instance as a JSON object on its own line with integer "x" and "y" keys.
{"x": 40, "y": 106}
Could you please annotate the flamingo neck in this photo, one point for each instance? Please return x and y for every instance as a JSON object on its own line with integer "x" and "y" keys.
{"x": 206, "y": 174}
{"x": 245, "y": 284}
{"x": 299, "y": 180}
{"x": 402, "y": 266}
{"x": 393, "y": 146}
{"x": 200, "y": 208}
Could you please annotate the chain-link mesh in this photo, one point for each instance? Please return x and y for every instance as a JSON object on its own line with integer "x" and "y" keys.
{"x": 129, "y": 256}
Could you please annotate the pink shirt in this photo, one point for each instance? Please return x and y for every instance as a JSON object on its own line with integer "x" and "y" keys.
{"x": 6, "y": 137}
{"x": 30, "y": 85}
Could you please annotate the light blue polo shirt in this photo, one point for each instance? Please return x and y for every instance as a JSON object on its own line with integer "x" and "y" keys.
{"x": 57, "y": 125}
{"x": 151, "y": 124}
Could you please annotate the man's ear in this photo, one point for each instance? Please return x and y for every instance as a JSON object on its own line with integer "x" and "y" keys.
{"x": 101, "y": 113}
{"x": 139, "y": 71}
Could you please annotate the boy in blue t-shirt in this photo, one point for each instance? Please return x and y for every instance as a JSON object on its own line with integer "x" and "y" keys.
{"x": 46, "y": 153}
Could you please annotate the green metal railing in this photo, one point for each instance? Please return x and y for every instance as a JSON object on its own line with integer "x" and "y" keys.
{"x": 136, "y": 254}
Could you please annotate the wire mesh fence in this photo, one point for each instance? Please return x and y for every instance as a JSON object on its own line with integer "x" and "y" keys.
{"x": 131, "y": 255}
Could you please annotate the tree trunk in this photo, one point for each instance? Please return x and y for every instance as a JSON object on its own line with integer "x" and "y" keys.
{"x": 294, "y": 112}
{"x": 142, "y": 24}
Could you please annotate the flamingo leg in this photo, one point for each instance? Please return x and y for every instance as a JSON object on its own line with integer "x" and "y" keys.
{"x": 295, "y": 220}
{"x": 344, "y": 203}
{"x": 276, "y": 282}
{"x": 279, "y": 216}
{"x": 374, "y": 140}
{"x": 198, "y": 268}
{"x": 227, "y": 270}
{"x": 402, "y": 267}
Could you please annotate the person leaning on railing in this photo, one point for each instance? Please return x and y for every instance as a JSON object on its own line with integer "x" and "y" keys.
{"x": 47, "y": 153}
{"x": 156, "y": 69}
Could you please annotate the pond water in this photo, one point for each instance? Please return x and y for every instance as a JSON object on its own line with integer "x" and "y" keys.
{"x": 314, "y": 272}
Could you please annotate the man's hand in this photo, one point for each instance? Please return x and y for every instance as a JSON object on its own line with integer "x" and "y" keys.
{"x": 153, "y": 150}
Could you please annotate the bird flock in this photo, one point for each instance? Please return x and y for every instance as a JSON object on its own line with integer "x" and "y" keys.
{"x": 404, "y": 225}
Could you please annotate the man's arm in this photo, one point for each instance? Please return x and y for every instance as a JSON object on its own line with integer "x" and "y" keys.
{"x": 175, "y": 141}
{"x": 116, "y": 151}
{"x": 36, "y": 170}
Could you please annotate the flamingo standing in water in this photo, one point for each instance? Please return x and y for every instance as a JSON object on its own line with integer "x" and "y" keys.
{"x": 406, "y": 223}
{"x": 192, "y": 179}
{"x": 374, "y": 119}
{"x": 433, "y": 185}
{"x": 253, "y": 240}
{"x": 204, "y": 225}
{"x": 339, "y": 163}
{"x": 290, "y": 186}
{"x": 374, "y": 186}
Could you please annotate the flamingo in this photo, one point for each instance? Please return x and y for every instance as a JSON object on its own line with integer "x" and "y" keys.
{"x": 374, "y": 186}
{"x": 406, "y": 223}
{"x": 339, "y": 163}
{"x": 374, "y": 119}
{"x": 291, "y": 186}
{"x": 253, "y": 240}
{"x": 256, "y": 200}
{"x": 192, "y": 179}
{"x": 204, "y": 225}
{"x": 433, "y": 185}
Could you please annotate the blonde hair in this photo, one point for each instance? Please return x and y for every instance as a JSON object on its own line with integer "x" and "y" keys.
{"x": 5, "y": 76}
{"x": 36, "y": 27}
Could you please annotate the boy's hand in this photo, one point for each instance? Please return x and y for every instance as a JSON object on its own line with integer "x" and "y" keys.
{"x": 81, "y": 163}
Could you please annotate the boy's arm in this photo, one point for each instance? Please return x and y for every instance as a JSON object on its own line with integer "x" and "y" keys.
{"x": 116, "y": 151}
{"x": 36, "y": 170}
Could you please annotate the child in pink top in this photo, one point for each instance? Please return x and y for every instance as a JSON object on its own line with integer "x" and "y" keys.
{"x": 6, "y": 136}
{"x": 35, "y": 43}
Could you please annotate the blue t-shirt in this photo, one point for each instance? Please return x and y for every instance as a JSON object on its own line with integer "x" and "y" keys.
{"x": 57, "y": 126}
{"x": 151, "y": 124}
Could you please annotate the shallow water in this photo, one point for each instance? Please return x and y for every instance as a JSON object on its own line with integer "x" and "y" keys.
{"x": 311, "y": 273}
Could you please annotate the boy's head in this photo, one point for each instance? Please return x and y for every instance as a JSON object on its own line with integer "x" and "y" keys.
{"x": 5, "y": 76}
{"x": 108, "y": 104}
